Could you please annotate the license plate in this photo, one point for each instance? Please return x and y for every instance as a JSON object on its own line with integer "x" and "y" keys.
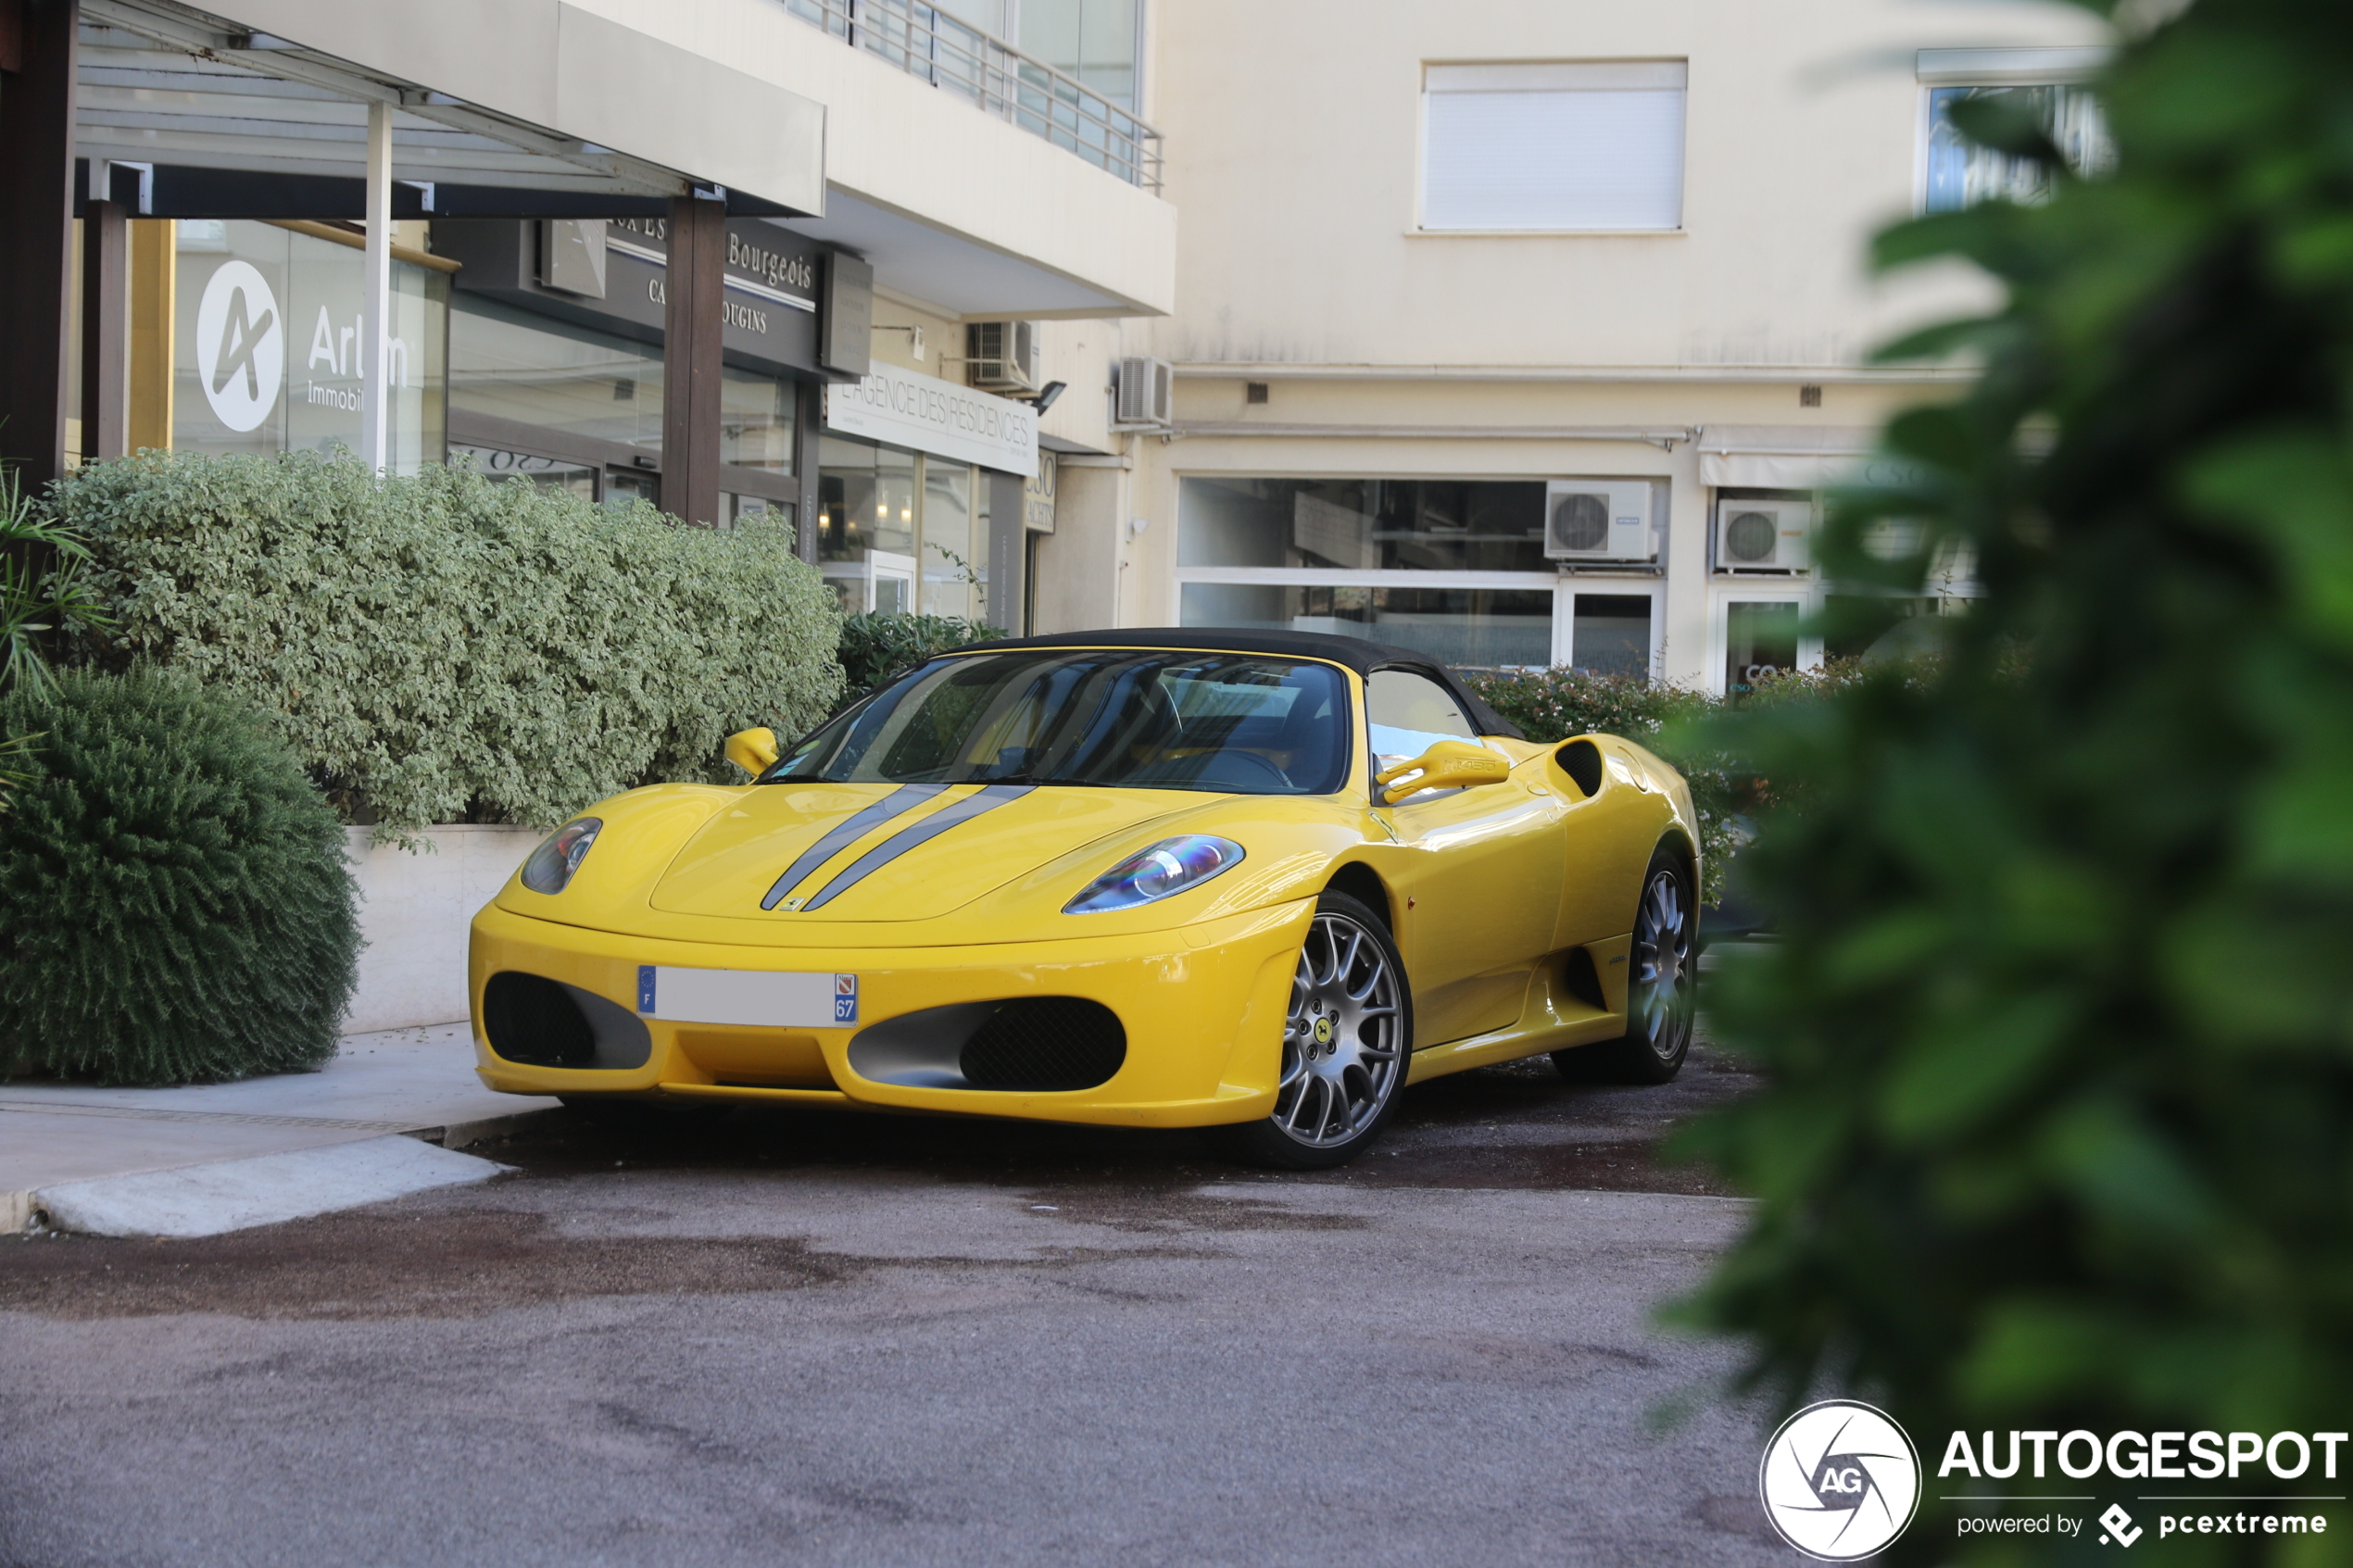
{"x": 749, "y": 997}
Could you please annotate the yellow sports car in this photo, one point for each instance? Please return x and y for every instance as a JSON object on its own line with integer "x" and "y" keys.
{"x": 1250, "y": 881}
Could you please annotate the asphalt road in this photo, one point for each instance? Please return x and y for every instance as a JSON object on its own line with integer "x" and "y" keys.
{"x": 787, "y": 1339}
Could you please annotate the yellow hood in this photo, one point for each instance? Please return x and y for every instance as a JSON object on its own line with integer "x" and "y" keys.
{"x": 888, "y": 852}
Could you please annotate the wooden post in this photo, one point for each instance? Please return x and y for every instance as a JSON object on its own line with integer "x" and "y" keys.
{"x": 692, "y": 321}
{"x": 104, "y": 311}
{"x": 155, "y": 263}
{"x": 36, "y": 254}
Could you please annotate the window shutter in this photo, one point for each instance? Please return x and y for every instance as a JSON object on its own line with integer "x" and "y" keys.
{"x": 1554, "y": 147}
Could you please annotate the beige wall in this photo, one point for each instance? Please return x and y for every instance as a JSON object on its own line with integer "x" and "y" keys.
{"x": 1292, "y": 145}
{"x": 1292, "y": 154}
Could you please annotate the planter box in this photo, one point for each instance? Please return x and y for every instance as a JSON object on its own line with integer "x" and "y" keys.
{"x": 414, "y": 911}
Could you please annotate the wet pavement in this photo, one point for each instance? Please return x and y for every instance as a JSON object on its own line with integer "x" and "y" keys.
{"x": 782, "y": 1336}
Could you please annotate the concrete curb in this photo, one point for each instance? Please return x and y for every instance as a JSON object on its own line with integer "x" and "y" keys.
{"x": 262, "y": 1189}
{"x": 19, "y": 1210}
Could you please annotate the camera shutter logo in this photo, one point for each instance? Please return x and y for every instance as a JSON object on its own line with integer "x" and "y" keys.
{"x": 241, "y": 349}
{"x": 1840, "y": 1480}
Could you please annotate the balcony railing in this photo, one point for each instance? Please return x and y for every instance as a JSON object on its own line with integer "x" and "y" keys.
{"x": 935, "y": 46}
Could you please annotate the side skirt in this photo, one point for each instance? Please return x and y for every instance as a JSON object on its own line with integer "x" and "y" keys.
{"x": 1553, "y": 1018}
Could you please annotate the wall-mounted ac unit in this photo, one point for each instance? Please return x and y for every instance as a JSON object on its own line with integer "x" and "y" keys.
{"x": 1598, "y": 520}
{"x": 1144, "y": 392}
{"x": 1001, "y": 356}
{"x": 1764, "y": 536}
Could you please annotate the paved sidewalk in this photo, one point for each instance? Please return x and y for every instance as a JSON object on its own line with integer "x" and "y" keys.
{"x": 419, "y": 1082}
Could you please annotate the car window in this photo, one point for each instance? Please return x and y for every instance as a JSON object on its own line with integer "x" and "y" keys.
{"x": 1134, "y": 719}
{"x": 1410, "y": 713}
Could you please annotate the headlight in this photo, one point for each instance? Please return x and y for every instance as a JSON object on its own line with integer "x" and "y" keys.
{"x": 1171, "y": 866}
{"x": 551, "y": 865}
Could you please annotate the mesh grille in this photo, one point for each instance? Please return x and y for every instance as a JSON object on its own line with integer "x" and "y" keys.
{"x": 1046, "y": 1043}
{"x": 531, "y": 1018}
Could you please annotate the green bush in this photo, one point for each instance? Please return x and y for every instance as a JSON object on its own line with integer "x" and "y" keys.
{"x": 2058, "y": 1131}
{"x": 875, "y": 647}
{"x": 445, "y": 647}
{"x": 175, "y": 905}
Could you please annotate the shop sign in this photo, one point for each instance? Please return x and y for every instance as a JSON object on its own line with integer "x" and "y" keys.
{"x": 929, "y": 415}
{"x": 1037, "y": 497}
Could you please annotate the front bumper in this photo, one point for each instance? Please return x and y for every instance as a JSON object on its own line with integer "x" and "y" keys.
{"x": 1201, "y": 1006}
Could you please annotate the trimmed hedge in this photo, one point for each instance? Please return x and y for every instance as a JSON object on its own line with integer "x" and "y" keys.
{"x": 445, "y": 647}
{"x": 175, "y": 905}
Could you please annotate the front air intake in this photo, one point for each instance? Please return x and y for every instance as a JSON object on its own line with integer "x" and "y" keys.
{"x": 1045, "y": 1043}
{"x": 542, "y": 1023}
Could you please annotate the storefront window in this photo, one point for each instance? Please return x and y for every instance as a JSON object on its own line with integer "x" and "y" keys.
{"x": 267, "y": 351}
{"x": 576, "y": 479}
{"x": 1611, "y": 635}
{"x": 1363, "y": 524}
{"x": 539, "y": 370}
{"x": 951, "y": 564}
{"x": 756, "y": 421}
{"x": 1460, "y": 626}
{"x": 1760, "y": 641}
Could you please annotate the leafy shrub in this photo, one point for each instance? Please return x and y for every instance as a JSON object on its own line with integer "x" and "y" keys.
{"x": 2060, "y": 1125}
{"x": 875, "y": 647}
{"x": 444, "y": 647}
{"x": 175, "y": 903}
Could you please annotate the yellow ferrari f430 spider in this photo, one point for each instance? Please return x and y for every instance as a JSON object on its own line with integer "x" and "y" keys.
{"x": 1248, "y": 881}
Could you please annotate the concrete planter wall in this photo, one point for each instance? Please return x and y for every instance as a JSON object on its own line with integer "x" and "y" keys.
{"x": 414, "y": 909}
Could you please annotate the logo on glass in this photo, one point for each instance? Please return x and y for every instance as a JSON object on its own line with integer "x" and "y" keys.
{"x": 1840, "y": 1480}
{"x": 241, "y": 350}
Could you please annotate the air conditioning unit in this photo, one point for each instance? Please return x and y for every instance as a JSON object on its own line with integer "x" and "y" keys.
{"x": 1598, "y": 520}
{"x": 1764, "y": 536}
{"x": 1001, "y": 356}
{"x": 1144, "y": 392}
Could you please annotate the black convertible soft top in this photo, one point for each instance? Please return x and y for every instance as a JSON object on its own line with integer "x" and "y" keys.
{"x": 1355, "y": 652}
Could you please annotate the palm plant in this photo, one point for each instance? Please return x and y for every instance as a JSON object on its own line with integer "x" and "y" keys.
{"x": 44, "y": 586}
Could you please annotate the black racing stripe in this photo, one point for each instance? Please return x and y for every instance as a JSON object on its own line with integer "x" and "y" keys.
{"x": 906, "y": 838}
{"x": 900, "y": 801}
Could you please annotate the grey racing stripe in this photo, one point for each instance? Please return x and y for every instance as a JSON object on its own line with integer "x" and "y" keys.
{"x": 900, "y": 801}
{"x": 906, "y": 838}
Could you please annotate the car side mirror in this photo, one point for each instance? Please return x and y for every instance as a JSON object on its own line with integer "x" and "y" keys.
{"x": 1451, "y": 764}
{"x": 752, "y": 750}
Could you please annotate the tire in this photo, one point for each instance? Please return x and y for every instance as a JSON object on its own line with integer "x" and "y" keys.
{"x": 1346, "y": 1041}
{"x": 1662, "y": 986}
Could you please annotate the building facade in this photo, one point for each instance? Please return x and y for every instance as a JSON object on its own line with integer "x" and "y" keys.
{"x": 685, "y": 252}
{"x": 1529, "y": 334}
{"x": 1525, "y": 334}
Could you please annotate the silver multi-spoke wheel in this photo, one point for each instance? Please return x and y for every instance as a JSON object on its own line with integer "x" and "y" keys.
{"x": 1659, "y": 1010}
{"x": 1343, "y": 1039}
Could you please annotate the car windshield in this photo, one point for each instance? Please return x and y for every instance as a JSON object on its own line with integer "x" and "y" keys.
{"x": 1123, "y": 717}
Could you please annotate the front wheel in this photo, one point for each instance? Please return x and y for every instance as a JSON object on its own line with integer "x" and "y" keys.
{"x": 1662, "y": 986}
{"x": 1346, "y": 1037}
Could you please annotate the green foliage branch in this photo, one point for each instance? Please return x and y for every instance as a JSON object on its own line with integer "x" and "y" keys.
{"x": 446, "y": 647}
{"x": 873, "y": 648}
{"x": 2059, "y": 1030}
{"x": 175, "y": 903}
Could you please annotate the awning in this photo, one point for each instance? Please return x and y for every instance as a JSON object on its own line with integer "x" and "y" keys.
{"x": 1783, "y": 456}
{"x": 577, "y": 111}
